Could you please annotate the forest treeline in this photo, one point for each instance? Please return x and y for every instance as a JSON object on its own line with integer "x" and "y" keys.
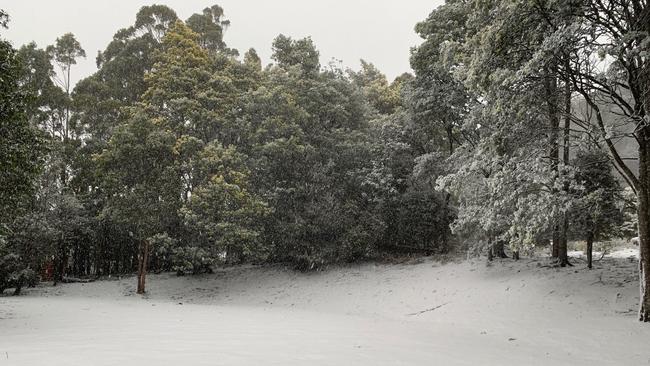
{"x": 180, "y": 153}
{"x": 181, "y": 149}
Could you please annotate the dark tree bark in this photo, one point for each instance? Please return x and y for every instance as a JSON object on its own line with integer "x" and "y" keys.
{"x": 563, "y": 255}
{"x": 515, "y": 255}
{"x": 60, "y": 259}
{"x": 143, "y": 257}
{"x": 590, "y": 249}
{"x": 498, "y": 249}
{"x": 555, "y": 244}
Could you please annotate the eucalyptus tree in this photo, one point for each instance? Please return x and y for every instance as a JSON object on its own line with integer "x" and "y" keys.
{"x": 119, "y": 82}
{"x": 142, "y": 183}
{"x": 64, "y": 54}
{"x": 21, "y": 147}
{"x": 158, "y": 181}
{"x": 210, "y": 26}
{"x": 21, "y": 154}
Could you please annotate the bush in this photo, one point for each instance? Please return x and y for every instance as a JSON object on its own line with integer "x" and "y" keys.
{"x": 14, "y": 274}
{"x": 418, "y": 221}
{"x": 192, "y": 260}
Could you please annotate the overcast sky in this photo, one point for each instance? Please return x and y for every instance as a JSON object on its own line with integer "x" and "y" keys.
{"x": 379, "y": 31}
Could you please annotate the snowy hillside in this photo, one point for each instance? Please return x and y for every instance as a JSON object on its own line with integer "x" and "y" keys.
{"x": 425, "y": 313}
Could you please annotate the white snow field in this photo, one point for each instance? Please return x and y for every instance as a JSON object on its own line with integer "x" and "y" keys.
{"x": 420, "y": 313}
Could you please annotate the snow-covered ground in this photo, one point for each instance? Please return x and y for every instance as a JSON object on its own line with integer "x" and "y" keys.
{"x": 423, "y": 313}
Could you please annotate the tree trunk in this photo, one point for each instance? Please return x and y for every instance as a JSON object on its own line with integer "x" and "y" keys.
{"x": 59, "y": 263}
{"x": 644, "y": 223}
{"x": 551, "y": 97}
{"x": 590, "y": 249}
{"x": 143, "y": 257}
{"x": 498, "y": 249}
{"x": 562, "y": 254}
{"x": 643, "y": 191}
{"x": 515, "y": 255}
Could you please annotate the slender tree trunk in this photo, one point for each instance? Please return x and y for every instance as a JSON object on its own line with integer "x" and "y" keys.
{"x": 450, "y": 137}
{"x": 59, "y": 262}
{"x": 490, "y": 250}
{"x": 143, "y": 257}
{"x": 643, "y": 192}
{"x": 65, "y": 137}
{"x": 590, "y": 249}
{"x": 515, "y": 255}
{"x": 563, "y": 255}
{"x": 550, "y": 89}
{"x": 562, "y": 250}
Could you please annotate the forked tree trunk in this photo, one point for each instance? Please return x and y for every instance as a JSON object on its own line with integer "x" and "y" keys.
{"x": 590, "y": 249}
{"x": 143, "y": 257}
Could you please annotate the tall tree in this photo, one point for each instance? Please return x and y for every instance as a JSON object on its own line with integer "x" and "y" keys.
{"x": 142, "y": 182}
{"x": 21, "y": 147}
{"x": 65, "y": 53}
{"x": 21, "y": 154}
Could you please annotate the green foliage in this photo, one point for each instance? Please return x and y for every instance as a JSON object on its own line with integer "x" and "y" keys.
{"x": 154, "y": 20}
{"x": 214, "y": 160}
{"x": 4, "y": 19}
{"x": 210, "y": 27}
{"x": 140, "y": 177}
{"x": 66, "y": 51}
{"x": 597, "y": 212}
{"x": 21, "y": 147}
{"x": 21, "y": 158}
{"x": 13, "y": 273}
{"x": 301, "y": 53}
{"x": 384, "y": 98}
{"x": 223, "y": 211}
